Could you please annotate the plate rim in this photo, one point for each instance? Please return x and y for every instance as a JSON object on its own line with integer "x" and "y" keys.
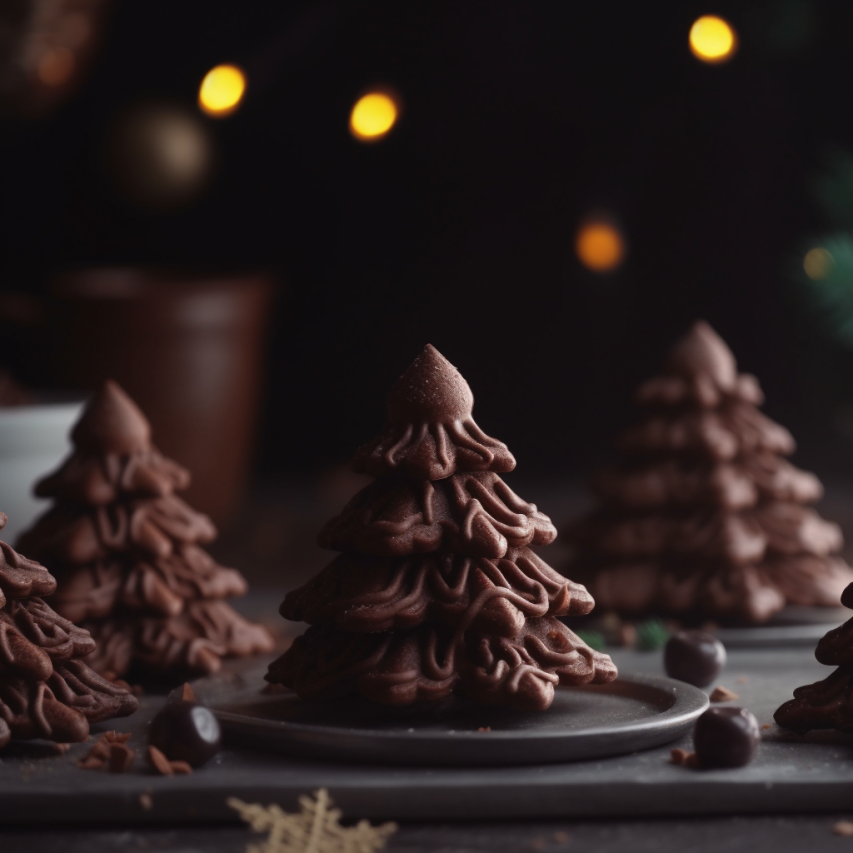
{"x": 689, "y": 703}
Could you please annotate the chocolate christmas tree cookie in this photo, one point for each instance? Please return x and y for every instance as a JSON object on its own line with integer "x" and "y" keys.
{"x": 827, "y": 704}
{"x": 702, "y": 515}
{"x": 46, "y": 690}
{"x": 127, "y": 551}
{"x": 436, "y": 590}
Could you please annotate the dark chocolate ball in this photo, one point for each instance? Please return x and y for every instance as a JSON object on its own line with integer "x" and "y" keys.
{"x": 726, "y": 737}
{"x": 694, "y": 656}
{"x": 186, "y": 731}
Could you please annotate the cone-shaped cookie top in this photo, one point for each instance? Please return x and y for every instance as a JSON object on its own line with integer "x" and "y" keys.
{"x": 113, "y": 456}
{"x": 702, "y": 352}
{"x": 431, "y": 390}
{"x": 112, "y": 423}
{"x": 430, "y": 433}
{"x": 700, "y": 370}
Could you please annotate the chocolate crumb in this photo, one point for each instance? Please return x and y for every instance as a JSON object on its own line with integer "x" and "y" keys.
{"x": 678, "y": 756}
{"x": 627, "y": 635}
{"x": 159, "y": 761}
{"x": 116, "y": 737}
{"x": 100, "y": 755}
{"x": 843, "y": 827}
{"x": 121, "y": 758}
{"x": 722, "y": 694}
{"x": 184, "y": 693}
{"x": 692, "y": 761}
{"x": 145, "y": 801}
{"x": 165, "y": 767}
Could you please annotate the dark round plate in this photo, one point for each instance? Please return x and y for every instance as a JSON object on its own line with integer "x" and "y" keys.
{"x": 792, "y": 626}
{"x": 632, "y": 713}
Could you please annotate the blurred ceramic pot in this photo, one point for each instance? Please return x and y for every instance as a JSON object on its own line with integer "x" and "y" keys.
{"x": 188, "y": 350}
{"x": 34, "y": 439}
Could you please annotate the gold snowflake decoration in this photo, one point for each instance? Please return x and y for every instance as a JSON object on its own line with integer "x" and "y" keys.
{"x": 315, "y": 829}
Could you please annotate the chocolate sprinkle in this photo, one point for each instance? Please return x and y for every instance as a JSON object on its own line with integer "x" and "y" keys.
{"x": 726, "y": 737}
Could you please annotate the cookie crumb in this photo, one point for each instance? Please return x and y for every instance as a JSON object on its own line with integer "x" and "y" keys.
{"x": 164, "y": 767}
{"x": 538, "y": 843}
{"x": 767, "y": 726}
{"x": 561, "y": 837}
{"x": 627, "y": 635}
{"x": 116, "y": 737}
{"x": 100, "y": 756}
{"x": 678, "y": 756}
{"x": 145, "y": 801}
{"x": 184, "y": 693}
{"x": 121, "y": 758}
{"x": 484, "y": 729}
{"x": 741, "y": 679}
{"x": 723, "y": 694}
{"x": 843, "y": 827}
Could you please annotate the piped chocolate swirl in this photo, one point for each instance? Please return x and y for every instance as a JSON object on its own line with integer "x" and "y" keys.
{"x": 436, "y": 591}
{"x": 702, "y": 516}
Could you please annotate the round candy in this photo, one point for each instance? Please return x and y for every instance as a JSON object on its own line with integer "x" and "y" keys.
{"x": 694, "y": 656}
{"x": 186, "y": 731}
{"x": 726, "y": 737}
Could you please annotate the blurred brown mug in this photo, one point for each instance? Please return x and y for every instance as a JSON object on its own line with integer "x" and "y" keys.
{"x": 187, "y": 348}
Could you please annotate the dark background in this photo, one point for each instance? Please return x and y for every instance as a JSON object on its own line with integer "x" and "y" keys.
{"x": 458, "y": 228}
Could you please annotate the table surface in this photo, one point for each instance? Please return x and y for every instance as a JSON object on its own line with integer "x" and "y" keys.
{"x": 552, "y": 807}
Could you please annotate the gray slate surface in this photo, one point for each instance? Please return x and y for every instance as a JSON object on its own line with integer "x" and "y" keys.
{"x": 788, "y": 776}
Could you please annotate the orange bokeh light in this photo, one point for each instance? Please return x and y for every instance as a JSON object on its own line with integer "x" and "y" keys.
{"x": 600, "y": 246}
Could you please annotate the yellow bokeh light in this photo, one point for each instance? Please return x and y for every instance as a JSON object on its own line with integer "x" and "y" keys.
{"x": 712, "y": 39}
{"x": 222, "y": 90}
{"x": 600, "y": 246}
{"x": 818, "y": 264}
{"x": 373, "y": 115}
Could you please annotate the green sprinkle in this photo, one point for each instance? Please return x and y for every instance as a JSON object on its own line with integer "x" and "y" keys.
{"x": 651, "y": 635}
{"x": 594, "y": 639}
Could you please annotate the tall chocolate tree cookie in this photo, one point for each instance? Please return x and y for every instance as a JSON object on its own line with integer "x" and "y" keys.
{"x": 46, "y": 690}
{"x": 702, "y": 515}
{"x": 436, "y": 590}
{"x": 127, "y": 551}
{"x": 827, "y": 704}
